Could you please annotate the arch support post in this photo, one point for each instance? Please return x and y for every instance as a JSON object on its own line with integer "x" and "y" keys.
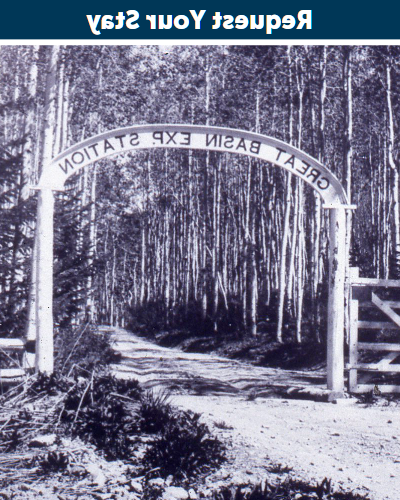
{"x": 44, "y": 360}
{"x": 335, "y": 330}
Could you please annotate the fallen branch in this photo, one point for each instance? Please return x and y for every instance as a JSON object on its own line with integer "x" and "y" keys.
{"x": 83, "y": 397}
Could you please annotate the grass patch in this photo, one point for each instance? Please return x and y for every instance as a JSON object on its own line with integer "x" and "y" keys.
{"x": 287, "y": 490}
{"x": 278, "y": 469}
{"x": 221, "y": 424}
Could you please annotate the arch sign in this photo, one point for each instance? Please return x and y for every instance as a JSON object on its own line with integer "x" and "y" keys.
{"x": 225, "y": 140}
{"x": 206, "y": 138}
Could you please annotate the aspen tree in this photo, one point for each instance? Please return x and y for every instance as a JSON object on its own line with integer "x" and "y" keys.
{"x": 347, "y": 159}
{"x": 316, "y": 255}
{"x": 286, "y": 224}
{"x": 391, "y": 159}
{"x": 29, "y": 163}
{"x": 253, "y": 306}
{"x": 299, "y": 207}
{"x": 204, "y": 229}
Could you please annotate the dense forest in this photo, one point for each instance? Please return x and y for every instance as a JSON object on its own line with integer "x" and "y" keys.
{"x": 208, "y": 241}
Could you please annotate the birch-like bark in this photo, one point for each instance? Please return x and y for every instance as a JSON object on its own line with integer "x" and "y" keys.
{"x": 28, "y": 176}
{"x": 316, "y": 251}
{"x": 286, "y": 224}
{"x": 347, "y": 165}
{"x": 393, "y": 165}
{"x": 204, "y": 229}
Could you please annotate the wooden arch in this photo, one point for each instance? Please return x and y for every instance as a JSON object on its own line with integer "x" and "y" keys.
{"x": 220, "y": 139}
{"x": 268, "y": 149}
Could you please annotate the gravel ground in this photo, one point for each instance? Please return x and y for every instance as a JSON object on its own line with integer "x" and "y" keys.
{"x": 355, "y": 446}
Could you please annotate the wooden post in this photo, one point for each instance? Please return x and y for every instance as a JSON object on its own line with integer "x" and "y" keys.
{"x": 337, "y": 262}
{"x": 353, "y": 332}
{"x": 44, "y": 283}
{"x": 44, "y": 361}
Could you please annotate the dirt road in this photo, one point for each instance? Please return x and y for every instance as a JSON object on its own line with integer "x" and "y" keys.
{"x": 357, "y": 447}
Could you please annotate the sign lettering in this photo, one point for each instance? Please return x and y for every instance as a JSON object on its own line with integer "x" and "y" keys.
{"x": 220, "y": 139}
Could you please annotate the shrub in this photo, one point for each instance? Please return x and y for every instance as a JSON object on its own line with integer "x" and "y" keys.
{"x": 184, "y": 448}
{"x": 95, "y": 411}
{"x": 108, "y": 426}
{"x": 110, "y": 413}
{"x": 53, "y": 462}
{"x": 50, "y": 385}
{"x": 96, "y": 391}
{"x": 155, "y": 412}
{"x": 287, "y": 490}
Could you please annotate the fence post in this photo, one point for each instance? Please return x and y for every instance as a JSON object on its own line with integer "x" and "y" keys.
{"x": 44, "y": 283}
{"x": 335, "y": 333}
{"x": 353, "y": 332}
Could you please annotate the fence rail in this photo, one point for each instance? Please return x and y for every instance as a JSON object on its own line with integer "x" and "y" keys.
{"x": 363, "y": 295}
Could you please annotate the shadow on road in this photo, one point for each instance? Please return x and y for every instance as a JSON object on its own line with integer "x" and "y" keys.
{"x": 180, "y": 372}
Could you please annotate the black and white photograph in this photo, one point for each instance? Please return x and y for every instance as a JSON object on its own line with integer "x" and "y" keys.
{"x": 199, "y": 272}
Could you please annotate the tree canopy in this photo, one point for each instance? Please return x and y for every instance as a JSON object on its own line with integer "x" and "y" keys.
{"x": 204, "y": 240}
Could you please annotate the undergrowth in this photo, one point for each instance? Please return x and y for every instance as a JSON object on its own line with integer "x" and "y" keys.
{"x": 155, "y": 412}
{"x": 290, "y": 489}
{"x": 99, "y": 410}
{"x": 84, "y": 348}
{"x": 260, "y": 350}
{"x": 113, "y": 415}
{"x": 184, "y": 448}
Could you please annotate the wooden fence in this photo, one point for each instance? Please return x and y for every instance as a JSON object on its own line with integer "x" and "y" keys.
{"x": 364, "y": 296}
{"x": 14, "y": 350}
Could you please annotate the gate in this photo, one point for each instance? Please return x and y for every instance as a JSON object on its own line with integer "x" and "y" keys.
{"x": 374, "y": 342}
{"x": 12, "y": 350}
{"x": 269, "y": 150}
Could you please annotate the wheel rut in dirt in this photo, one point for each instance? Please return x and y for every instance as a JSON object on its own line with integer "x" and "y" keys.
{"x": 206, "y": 374}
